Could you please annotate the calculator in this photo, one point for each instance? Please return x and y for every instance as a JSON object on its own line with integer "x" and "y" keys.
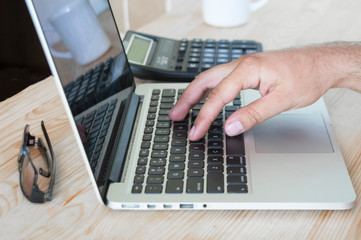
{"x": 158, "y": 58}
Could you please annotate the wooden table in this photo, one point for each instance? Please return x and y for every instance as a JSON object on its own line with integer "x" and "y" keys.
{"x": 75, "y": 213}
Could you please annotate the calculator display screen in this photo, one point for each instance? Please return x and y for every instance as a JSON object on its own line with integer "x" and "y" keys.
{"x": 139, "y": 49}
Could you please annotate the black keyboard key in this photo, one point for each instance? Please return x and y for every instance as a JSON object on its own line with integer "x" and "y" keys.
{"x": 147, "y": 137}
{"x": 176, "y": 166}
{"x": 140, "y": 170}
{"x": 215, "y": 152}
{"x": 194, "y": 185}
{"x": 195, "y": 172}
{"x": 148, "y": 130}
{"x": 142, "y": 161}
{"x": 155, "y": 179}
{"x": 167, "y": 100}
{"x": 215, "y": 136}
{"x": 196, "y": 148}
{"x": 237, "y": 179}
{"x": 237, "y": 188}
{"x": 196, "y": 156}
{"x": 231, "y": 108}
{"x": 143, "y": 153}
{"x": 215, "y": 168}
{"x": 180, "y": 128}
{"x": 215, "y": 183}
{"x": 236, "y": 161}
{"x": 177, "y": 158}
{"x": 158, "y": 161}
{"x": 166, "y": 106}
{"x": 156, "y": 92}
{"x": 235, "y": 145}
{"x": 163, "y": 118}
{"x": 196, "y": 164}
{"x": 215, "y": 144}
{"x": 164, "y": 112}
{"x": 160, "y": 146}
{"x": 161, "y": 139}
{"x": 215, "y": 160}
{"x": 151, "y": 116}
{"x": 159, "y": 154}
{"x": 179, "y": 142}
{"x": 162, "y": 131}
{"x": 139, "y": 179}
{"x": 163, "y": 125}
{"x": 178, "y": 150}
{"x": 156, "y": 170}
{"x": 175, "y": 175}
{"x": 149, "y": 123}
{"x": 137, "y": 188}
{"x": 174, "y": 186}
{"x": 154, "y": 188}
{"x": 178, "y": 135}
{"x": 169, "y": 93}
{"x": 236, "y": 170}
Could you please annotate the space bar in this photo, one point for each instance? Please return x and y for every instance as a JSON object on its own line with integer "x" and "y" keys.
{"x": 235, "y": 145}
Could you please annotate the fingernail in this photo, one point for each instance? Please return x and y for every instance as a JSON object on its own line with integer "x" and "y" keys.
{"x": 191, "y": 132}
{"x": 234, "y": 128}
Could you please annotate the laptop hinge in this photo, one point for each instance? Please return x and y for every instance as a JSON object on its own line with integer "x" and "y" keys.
{"x": 123, "y": 144}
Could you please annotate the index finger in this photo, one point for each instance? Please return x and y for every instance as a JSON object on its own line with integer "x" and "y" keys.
{"x": 198, "y": 89}
{"x": 244, "y": 76}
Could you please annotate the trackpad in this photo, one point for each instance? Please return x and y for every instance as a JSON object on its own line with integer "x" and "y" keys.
{"x": 293, "y": 133}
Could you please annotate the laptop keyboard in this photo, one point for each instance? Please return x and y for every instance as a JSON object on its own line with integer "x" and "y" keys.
{"x": 169, "y": 163}
{"x": 97, "y": 124}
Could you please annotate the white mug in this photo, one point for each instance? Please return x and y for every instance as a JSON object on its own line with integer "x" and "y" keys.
{"x": 229, "y": 13}
{"x": 81, "y": 32}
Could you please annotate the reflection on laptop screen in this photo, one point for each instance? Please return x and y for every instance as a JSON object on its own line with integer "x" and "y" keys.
{"x": 92, "y": 66}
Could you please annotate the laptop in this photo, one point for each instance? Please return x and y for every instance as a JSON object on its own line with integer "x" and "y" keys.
{"x": 138, "y": 159}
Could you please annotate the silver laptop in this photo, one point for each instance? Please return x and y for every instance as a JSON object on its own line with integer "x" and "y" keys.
{"x": 138, "y": 159}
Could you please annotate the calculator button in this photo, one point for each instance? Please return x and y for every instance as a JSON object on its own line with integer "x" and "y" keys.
{"x": 196, "y": 45}
{"x": 193, "y": 67}
{"x": 223, "y": 51}
{"x": 194, "y": 55}
{"x": 193, "y": 60}
{"x": 198, "y": 40}
{"x": 250, "y": 51}
{"x": 222, "y": 41}
{"x": 206, "y": 66}
{"x": 196, "y": 50}
{"x": 223, "y": 46}
{"x": 182, "y": 49}
{"x": 178, "y": 67}
{"x": 237, "y": 51}
{"x": 222, "y": 55}
{"x": 222, "y": 60}
{"x": 210, "y": 45}
{"x": 208, "y": 55}
{"x": 208, "y": 60}
{"x": 210, "y": 40}
{"x": 209, "y": 50}
{"x": 180, "y": 59}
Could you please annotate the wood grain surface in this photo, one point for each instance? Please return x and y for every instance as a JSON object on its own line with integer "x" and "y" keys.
{"x": 75, "y": 213}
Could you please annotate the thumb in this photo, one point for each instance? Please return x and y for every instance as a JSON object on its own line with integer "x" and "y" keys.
{"x": 255, "y": 113}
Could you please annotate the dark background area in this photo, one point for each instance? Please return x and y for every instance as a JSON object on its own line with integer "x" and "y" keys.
{"x": 22, "y": 61}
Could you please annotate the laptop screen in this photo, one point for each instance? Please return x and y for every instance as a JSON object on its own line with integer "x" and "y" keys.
{"x": 92, "y": 66}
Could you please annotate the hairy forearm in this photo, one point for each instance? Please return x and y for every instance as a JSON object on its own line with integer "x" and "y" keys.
{"x": 343, "y": 63}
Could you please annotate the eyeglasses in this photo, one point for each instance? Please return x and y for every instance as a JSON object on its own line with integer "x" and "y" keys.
{"x": 37, "y": 175}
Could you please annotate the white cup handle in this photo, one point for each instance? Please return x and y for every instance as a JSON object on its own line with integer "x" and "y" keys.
{"x": 258, "y": 5}
{"x": 53, "y": 51}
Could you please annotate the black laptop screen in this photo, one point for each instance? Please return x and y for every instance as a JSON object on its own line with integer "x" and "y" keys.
{"x": 86, "y": 49}
{"x": 90, "y": 61}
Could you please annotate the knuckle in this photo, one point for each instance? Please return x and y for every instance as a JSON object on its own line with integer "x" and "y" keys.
{"x": 253, "y": 116}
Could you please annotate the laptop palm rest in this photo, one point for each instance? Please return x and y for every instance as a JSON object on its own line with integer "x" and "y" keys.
{"x": 293, "y": 133}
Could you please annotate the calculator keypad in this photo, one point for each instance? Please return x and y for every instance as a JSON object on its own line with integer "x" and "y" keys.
{"x": 198, "y": 55}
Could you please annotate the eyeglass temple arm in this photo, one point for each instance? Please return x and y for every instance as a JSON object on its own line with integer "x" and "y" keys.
{"x": 53, "y": 162}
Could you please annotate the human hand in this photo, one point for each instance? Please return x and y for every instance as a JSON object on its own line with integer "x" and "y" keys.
{"x": 286, "y": 79}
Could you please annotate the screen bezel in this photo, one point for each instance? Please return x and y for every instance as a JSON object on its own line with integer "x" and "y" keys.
{"x": 100, "y": 193}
